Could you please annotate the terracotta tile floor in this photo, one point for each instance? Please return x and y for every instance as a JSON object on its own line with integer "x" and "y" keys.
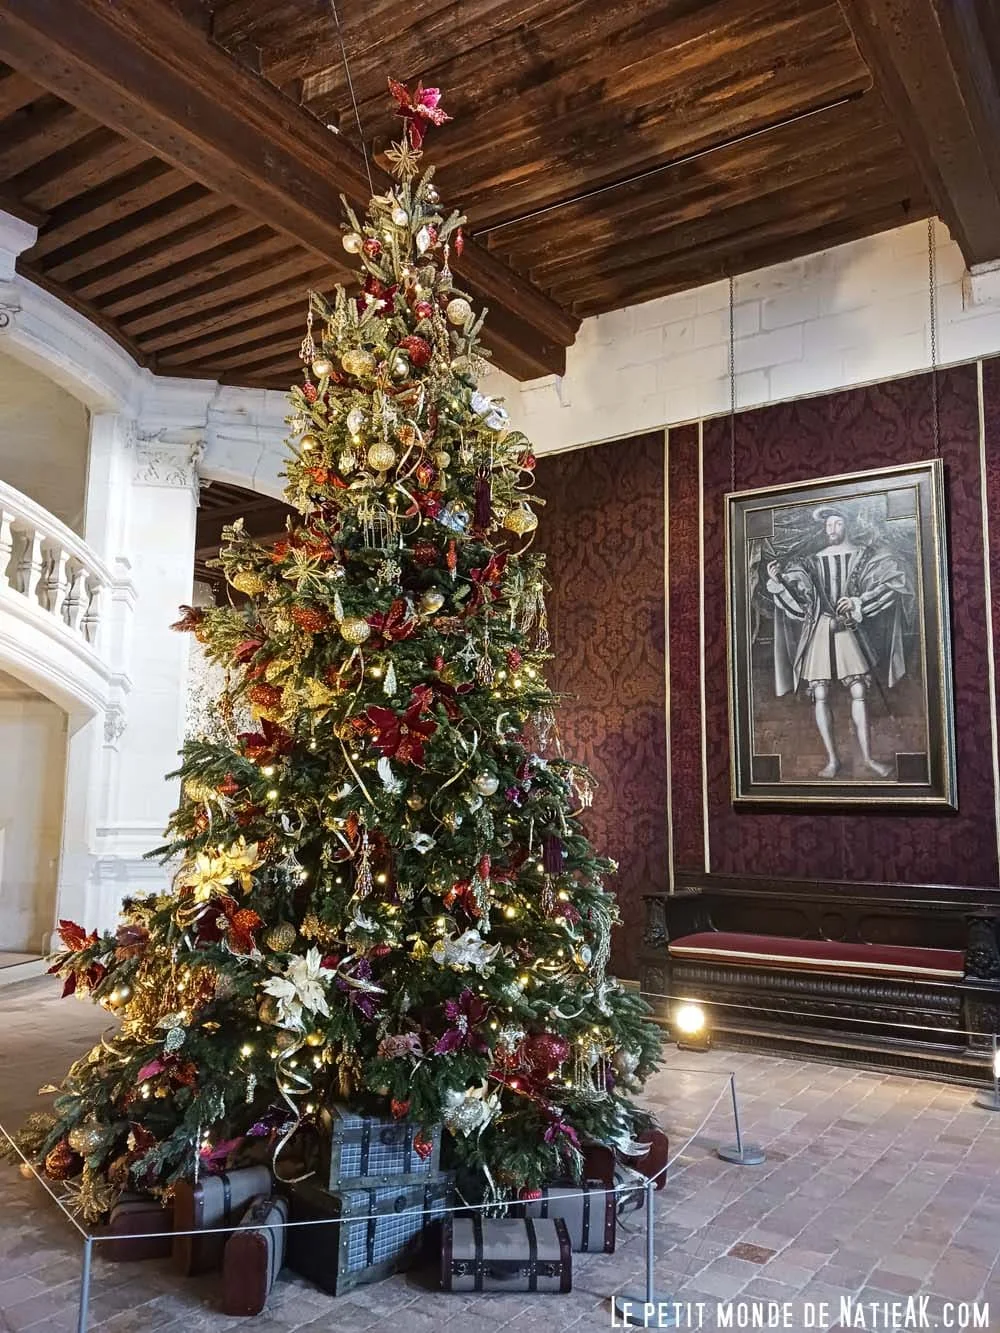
{"x": 876, "y": 1187}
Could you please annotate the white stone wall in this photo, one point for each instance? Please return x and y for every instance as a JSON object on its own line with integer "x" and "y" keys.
{"x": 842, "y": 317}
{"x": 32, "y": 772}
{"x": 43, "y": 441}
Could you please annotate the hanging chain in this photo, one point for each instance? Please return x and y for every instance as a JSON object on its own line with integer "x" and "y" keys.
{"x": 732, "y": 384}
{"x": 350, "y": 85}
{"x": 932, "y": 299}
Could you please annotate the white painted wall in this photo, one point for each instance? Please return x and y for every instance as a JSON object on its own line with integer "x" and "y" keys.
{"x": 842, "y": 317}
{"x": 32, "y": 775}
{"x": 43, "y": 441}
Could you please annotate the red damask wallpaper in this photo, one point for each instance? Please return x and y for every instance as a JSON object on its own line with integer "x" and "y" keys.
{"x": 872, "y": 427}
{"x": 602, "y": 529}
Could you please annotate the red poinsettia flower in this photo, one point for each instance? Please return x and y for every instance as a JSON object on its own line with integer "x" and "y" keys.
{"x": 229, "y": 921}
{"x": 395, "y": 624}
{"x": 466, "y": 1015}
{"x": 461, "y": 892}
{"x": 419, "y": 110}
{"x": 266, "y": 745}
{"x": 375, "y": 292}
{"x": 401, "y": 736}
{"x": 486, "y": 580}
{"x": 246, "y": 649}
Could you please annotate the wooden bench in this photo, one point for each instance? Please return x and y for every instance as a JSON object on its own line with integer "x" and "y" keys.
{"x": 893, "y": 976}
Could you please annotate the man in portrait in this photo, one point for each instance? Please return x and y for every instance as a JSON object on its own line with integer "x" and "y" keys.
{"x": 839, "y": 598}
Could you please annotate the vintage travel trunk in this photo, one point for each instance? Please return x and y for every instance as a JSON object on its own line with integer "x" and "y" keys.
{"x": 254, "y": 1256}
{"x": 136, "y": 1216}
{"x": 506, "y": 1254}
{"x": 378, "y": 1230}
{"x": 368, "y": 1150}
{"x": 216, "y": 1201}
{"x": 590, "y": 1212}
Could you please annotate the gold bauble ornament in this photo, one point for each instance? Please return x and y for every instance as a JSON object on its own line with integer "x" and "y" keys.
{"x": 458, "y": 310}
{"x": 381, "y": 456}
{"x": 415, "y": 802}
{"x": 400, "y": 367}
{"x": 281, "y": 936}
{"x": 267, "y": 1010}
{"x": 352, "y": 242}
{"x": 431, "y": 601}
{"x": 354, "y": 629}
{"x": 198, "y": 791}
{"x": 308, "y": 441}
{"x": 442, "y": 459}
{"x": 356, "y": 420}
{"x": 248, "y": 581}
{"x": 315, "y": 1038}
{"x": 431, "y": 194}
{"x": 322, "y": 365}
{"x": 358, "y": 361}
{"x": 86, "y": 1138}
{"x": 485, "y": 783}
{"x": 520, "y": 520}
{"x": 285, "y": 1040}
{"x": 400, "y": 216}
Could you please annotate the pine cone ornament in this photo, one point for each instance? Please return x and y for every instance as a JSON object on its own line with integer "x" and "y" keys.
{"x": 61, "y": 1162}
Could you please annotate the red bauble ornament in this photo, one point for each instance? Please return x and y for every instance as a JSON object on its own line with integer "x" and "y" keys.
{"x": 399, "y": 1109}
{"x": 61, "y": 1162}
{"x": 425, "y": 474}
{"x": 228, "y": 786}
{"x": 372, "y": 247}
{"x": 425, "y": 554}
{"x": 311, "y": 618}
{"x": 529, "y": 1195}
{"x": 527, "y": 462}
{"x": 423, "y": 310}
{"x": 265, "y": 696}
{"x": 422, "y": 1147}
{"x": 545, "y": 1051}
{"x": 417, "y": 349}
{"x": 309, "y": 392}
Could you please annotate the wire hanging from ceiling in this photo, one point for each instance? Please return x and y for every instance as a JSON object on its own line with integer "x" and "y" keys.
{"x": 354, "y": 100}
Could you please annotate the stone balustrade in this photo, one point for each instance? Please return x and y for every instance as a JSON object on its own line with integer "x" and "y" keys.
{"x": 54, "y": 570}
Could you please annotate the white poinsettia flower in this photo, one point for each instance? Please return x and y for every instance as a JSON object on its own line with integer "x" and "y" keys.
{"x": 302, "y": 987}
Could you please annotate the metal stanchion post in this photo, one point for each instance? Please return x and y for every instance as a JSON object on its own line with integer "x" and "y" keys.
{"x": 81, "y": 1323}
{"x": 743, "y": 1154}
{"x": 989, "y": 1098}
{"x": 646, "y": 1310}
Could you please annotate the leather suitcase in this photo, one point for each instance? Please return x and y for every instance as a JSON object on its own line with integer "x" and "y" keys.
{"x": 590, "y": 1212}
{"x": 136, "y": 1215}
{"x": 373, "y": 1232}
{"x": 254, "y": 1256}
{"x": 216, "y": 1201}
{"x": 506, "y": 1254}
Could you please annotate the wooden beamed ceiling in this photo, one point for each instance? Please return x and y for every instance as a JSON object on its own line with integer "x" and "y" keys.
{"x": 178, "y": 159}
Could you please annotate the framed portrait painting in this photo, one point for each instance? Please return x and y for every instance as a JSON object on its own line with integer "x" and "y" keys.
{"x": 839, "y": 642}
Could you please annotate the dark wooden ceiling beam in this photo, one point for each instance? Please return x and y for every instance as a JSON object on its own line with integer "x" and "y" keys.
{"x": 16, "y": 90}
{"x": 275, "y": 326}
{"x": 107, "y": 203}
{"x": 203, "y": 274}
{"x": 934, "y": 65}
{"x": 41, "y": 128}
{"x": 76, "y": 168}
{"x": 203, "y": 235}
{"x": 123, "y": 247}
{"x": 144, "y": 71}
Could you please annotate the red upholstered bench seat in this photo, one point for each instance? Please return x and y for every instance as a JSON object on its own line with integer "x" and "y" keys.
{"x": 776, "y": 951}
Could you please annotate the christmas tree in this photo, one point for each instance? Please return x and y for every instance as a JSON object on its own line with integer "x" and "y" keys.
{"x": 384, "y": 893}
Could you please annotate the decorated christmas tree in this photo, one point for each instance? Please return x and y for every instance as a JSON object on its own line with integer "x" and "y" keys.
{"x": 383, "y": 894}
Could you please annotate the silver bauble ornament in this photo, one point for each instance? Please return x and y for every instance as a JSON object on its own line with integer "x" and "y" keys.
{"x": 400, "y": 216}
{"x": 322, "y": 365}
{"x": 458, "y": 310}
{"x": 356, "y": 420}
{"x": 486, "y": 784}
{"x": 352, "y": 242}
{"x": 399, "y": 367}
{"x": 86, "y": 1138}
